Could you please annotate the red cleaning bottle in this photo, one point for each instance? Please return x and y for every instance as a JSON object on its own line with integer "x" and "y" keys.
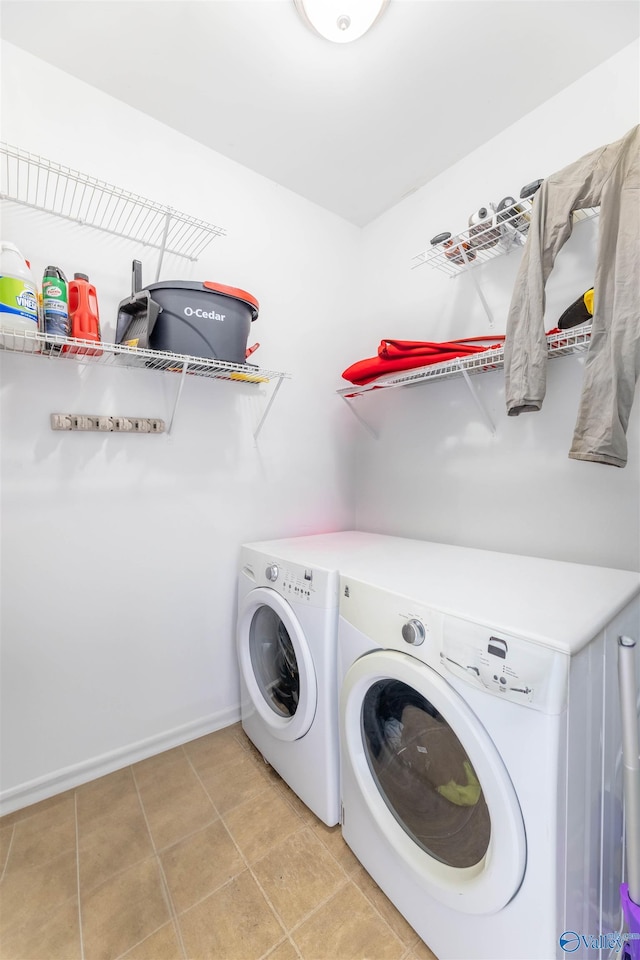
{"x": 83, "y": 314}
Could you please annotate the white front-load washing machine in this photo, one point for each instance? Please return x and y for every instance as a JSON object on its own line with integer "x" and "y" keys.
{"x": 286, "y": 643}
{"x": 480, "y": 742}
{"x": 286, "y": 640}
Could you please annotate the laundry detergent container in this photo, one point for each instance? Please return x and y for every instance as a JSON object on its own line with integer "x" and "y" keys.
{"x": 202, "y": 319}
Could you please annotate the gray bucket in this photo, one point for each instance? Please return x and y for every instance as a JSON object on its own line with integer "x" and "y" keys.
{"x": 202, "y": 319}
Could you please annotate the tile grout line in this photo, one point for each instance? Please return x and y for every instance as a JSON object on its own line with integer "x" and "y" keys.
{"x": 296, "y": 926}
{"x": 351, "y": 879}
{"x": 6, "y": 860}
{"x": 304, "y": 826}
{"x": 275, "y": 913}
{"x": 288, "y": 935}
{"x": 348, "y": 878}
{"x": 152, "y": 934}
{"x": 409, "y": 946}
{"x": 187, "y": 836}
{"x": 32, "y": 808}
{"x": 117, "y": 873}
{"x": 165, "y": 886}
{"x": 287, "y": 939}
{"x": 75, "y": 813}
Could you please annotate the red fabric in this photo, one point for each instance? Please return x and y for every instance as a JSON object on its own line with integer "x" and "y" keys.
{"x": 395, "y": 355}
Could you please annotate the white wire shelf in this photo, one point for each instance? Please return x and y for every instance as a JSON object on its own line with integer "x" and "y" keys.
{"x": 486, "y": 241}
{"x": 561, "y": 344}
{"x": 55, "y": 349}
{"x": 31, "y": 180}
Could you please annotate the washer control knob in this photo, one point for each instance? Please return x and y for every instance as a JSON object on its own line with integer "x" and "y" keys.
{"x": 413, "y": 632}
{"x": 272, "y": 572}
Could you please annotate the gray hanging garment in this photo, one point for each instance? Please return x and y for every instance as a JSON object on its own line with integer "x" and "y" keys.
{"x": 608, "y": 177}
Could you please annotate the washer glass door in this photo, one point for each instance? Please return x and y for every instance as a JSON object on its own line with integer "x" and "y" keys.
{"x": 276, "y": 664}
{"x": 433, "y": 781}
{"x": 424, "y": 774}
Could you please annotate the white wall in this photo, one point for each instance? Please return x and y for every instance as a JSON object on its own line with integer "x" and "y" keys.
{"x": 436, "y": 472}
{"x": 119, "y": 553}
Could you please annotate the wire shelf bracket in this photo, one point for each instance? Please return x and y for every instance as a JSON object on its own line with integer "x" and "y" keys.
{"x": 364, "y": 423}
{"x": 267, "y": 409}
{"x": 176, "y": 401}
{"x": 482, "y": 298}
{"x": 478, "y": 402}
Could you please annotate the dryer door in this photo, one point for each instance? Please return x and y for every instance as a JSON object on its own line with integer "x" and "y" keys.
{"x": 276, "y": 664}
{"x": 433, "y": 781}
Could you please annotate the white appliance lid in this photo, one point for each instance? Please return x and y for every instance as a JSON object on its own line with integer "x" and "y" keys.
{"x": 554, "y": 602}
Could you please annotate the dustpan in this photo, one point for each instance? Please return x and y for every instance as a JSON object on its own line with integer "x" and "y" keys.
{"x": 630, "y": 891}
{"x": 137, "y": 314}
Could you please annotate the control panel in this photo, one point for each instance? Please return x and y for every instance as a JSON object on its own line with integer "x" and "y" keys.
{"x": 298, "y": 583}
{"x": 314, "y": 586}
{"x": 509, "y": 667}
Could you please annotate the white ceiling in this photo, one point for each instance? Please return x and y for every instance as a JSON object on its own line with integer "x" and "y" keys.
{"x": 352, "y": 127}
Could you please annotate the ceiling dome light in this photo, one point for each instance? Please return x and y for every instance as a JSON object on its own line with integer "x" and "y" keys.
{"x": 340, "y": 20}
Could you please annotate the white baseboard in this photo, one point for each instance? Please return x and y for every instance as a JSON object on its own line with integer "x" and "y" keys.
{"x": 68, "y": 777}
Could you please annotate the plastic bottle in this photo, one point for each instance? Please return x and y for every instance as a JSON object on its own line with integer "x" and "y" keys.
{"x": 481, "y": 234}
{"x": 18, "y": 294}
{"x": 55, "y": 308}
{"x": 83, "y": 314}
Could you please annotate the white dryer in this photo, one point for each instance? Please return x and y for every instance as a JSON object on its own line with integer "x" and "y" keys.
{"x": 286, "y": 642}
{"x": 480, "y": 739}
{"x": 286, "y": 638}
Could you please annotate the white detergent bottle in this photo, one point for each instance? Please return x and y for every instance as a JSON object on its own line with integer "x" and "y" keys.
{"x": 18, "y": 300}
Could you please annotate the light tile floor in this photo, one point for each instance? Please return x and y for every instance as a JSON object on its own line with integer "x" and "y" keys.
{"x": 200, "y": 852}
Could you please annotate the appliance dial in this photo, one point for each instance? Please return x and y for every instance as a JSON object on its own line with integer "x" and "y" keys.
{"x": 272, "y": 572}
{"x": 413, "y": 632}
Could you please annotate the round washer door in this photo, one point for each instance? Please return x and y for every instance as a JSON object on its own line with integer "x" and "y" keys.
{"x": 276, "y": 664}
{"x": 433, "y": 781}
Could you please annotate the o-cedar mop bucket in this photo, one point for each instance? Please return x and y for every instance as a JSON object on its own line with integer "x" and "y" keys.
{"x": 630, "y": 891}
{"x": 199, "y": 319}
{"x": 202, "y": 319}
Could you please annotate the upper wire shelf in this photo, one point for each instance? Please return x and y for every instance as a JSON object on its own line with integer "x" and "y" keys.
{"x": 33, "y": 181}
{"x": 55, "y": 349}
{"x": 559, "y": 345}
{"x": 485, "y": 241}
